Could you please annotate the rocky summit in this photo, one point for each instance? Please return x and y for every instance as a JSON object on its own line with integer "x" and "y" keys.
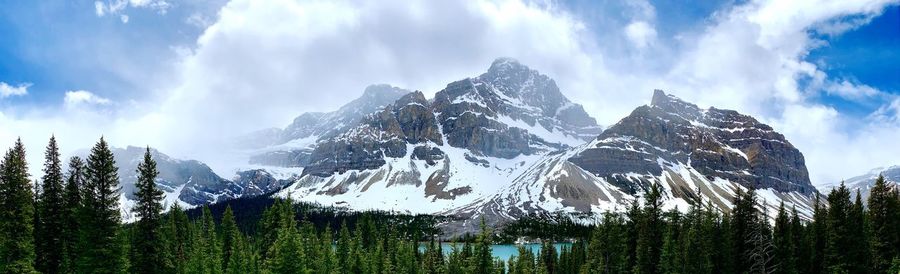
{"x": 717, "y": 143}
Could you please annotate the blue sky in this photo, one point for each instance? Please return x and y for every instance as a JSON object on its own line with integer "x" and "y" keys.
{"x": 64, "y": 45}
{"x": 823, "y": 72}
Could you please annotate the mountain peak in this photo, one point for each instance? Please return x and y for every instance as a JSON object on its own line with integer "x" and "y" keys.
{"x": 504, "y": 64}
{"x": 383, "y": 90}
{"x": 672, "y": 104}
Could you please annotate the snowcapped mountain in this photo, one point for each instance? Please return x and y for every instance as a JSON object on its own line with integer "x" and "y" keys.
{"x": 427, "y": 156}
{"x": 865, "y": 182}
{"x": 291, "y": 146}
{"x": 697, "y": 155}
{"x": 509, "y": 143}
{"x": 188, "y": 182}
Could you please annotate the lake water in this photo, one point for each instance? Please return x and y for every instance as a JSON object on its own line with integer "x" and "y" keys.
{"x": 502, "y": 251}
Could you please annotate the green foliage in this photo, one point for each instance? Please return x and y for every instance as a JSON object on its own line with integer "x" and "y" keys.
{"x": 884, "y": 225}
{"x": 260, "y": 235}
{"x": 16, "y": 213}
{"x": 101, "y": 249}
{"x": 50, "y": 207}
{"x": 147, "y": 244}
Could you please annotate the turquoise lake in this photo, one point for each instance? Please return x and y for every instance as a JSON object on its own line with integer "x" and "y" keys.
{"x": 503, "y": 251}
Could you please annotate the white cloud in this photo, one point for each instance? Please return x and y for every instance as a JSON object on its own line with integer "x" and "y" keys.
{"x": 7, "y": 90}
{"x": 261, "y": 63}
{"x": 102, "y": 8}
{"x": 640, "y": 33}
{"x": 82, "y": 97}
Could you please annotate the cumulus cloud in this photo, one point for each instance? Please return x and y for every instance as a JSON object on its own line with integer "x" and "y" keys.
{"x": 640, "y": 33}
{"x": 7, "y": 90}
{"x": 261, "y": 63}
{"x": 78, "y": 98}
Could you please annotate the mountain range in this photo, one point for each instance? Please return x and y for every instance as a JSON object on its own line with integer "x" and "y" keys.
{"x": 500, "y": 145}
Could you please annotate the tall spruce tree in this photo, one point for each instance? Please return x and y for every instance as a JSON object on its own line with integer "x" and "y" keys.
{"x": 884, "y": 225}
{"x": 147, "y": 240}
{"x": 858, "y": 251}
{"x": 743, "y": 221}
{"x": 72, "y": 207}
{"x": 818, "y": 236}
{"x": 101, "y": 246}
{"x": 16, "y": 213}
{"x": 838, "y": 244}
{"x": 178, "y": 233}
{"x": 229, "y": 234}
{"x": 783, "y": 240}
{"x": 649, "y": 232}
{"x": 51, "y": 209}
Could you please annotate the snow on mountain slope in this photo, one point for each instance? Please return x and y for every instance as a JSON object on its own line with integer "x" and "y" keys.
{"x": 188, "y": 182}
{"x": 507, "y": 144}
{"x": 289, "y": 147}
{"x": 865, "y": 182}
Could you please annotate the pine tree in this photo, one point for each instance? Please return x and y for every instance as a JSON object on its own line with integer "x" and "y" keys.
{"x": 178, "y": 233}
{"x": 72, "y": 207}
{"x": 229, "y": 233}
{"x": 818, "y": 236}
{"x": 287, "y": 253}
{"x": 148, "y": 246}
{"x": 839, "y": 240}
{"x": 858, "y": 251}
{"x": 798, "y": 241}
{"x": 484, "y": 260}
{"x": 743, "y": 220}
{"x": 16, "y": 213}
{"x": 101, "y": 246}
{"x": 783, "y": 240}
{"x": 649, "y": 241}
{"x": 670, "y": 255}
{"x": 206, "y": 255}
{"x": 49, "y": 229}
{"x": 884, "y": 224}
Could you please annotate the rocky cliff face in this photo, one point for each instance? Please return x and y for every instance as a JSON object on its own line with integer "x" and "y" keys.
{"x": 718, "y": 143}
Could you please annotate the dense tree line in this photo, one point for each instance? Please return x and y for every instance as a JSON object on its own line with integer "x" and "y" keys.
{"x": 70, "y": 223}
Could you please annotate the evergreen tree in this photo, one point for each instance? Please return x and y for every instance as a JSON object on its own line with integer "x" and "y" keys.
{"x": 884, "y": 225}
{"x": 147, "y": 244}
{"x": 798, "y": 241}
{"x": 229, "y": 234}
{"x": 72, "y": 207}
{"x": 858, "y": 251}
{"x": 818, "y": 237}
{"x": 484, "y": 261}
{"x": 650, "y": 227}
{"x": 16, "y": 213}
{"x": 670, "y": 256}
{"x": 783, "y": 240}
{"x": 100, "y": 244}
{"x": 743, "y": 220}
{"x": 206, "y": 253}
{"x": 839, "y": 231}
{"x": 287, "y": 253}
{"x": 178, "y": 233}
{"x": 49, "y": 229}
